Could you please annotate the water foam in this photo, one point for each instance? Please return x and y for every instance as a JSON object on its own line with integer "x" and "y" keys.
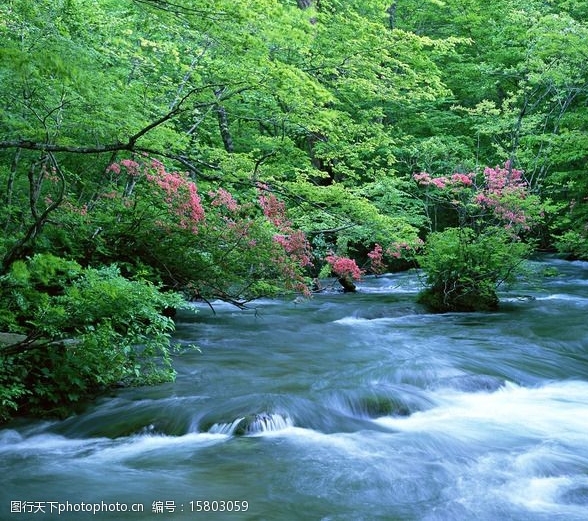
{"x": 255, "y": 424}
{"x": 554, "y": 410}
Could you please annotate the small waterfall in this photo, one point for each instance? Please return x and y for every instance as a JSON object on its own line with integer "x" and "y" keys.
{"x": 268, "y": 423}
{"x": 225, "y": 428}
{"x": 253, "y": 424}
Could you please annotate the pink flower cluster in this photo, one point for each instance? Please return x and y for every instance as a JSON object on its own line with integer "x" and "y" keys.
{"x": 506, "y": 178}
{"x": 114, "y": 168}
{"x": 273, "y": 208}
{"x": 181, "y": 195}
{"x": 224, "y": 198}
{"x": 457, "y": 179}
{"x": 343, "y": 266}
{"x": 133, "y": 168}
{"x": 501, "y": 192}
{"x": 297, "y": 246}
{"x": 376, "y": 257}
{"x": 398, "y": 250}
{"x": 294, "y": 242}
{"x": 504, "y": 189}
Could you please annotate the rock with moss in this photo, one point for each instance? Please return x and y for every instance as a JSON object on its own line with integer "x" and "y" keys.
{"x": 463, "y": 299}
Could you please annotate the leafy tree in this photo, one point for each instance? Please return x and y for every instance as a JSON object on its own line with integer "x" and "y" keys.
{"x": 248, "y": 103}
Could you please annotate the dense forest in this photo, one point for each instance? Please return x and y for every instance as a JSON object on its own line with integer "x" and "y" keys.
{"x": 154, "y": 152}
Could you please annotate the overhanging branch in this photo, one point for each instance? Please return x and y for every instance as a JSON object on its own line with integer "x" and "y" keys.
{"x": 130, "y": 145}
{"x": 181, "y": 10}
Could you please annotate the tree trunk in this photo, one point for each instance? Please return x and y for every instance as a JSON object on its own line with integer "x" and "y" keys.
{"x": 223, "y": 124}
{"x": 304, "y": 4}
{"x": 392, "y": 14}
{"x": 11, "y": 176}
{"x": 10, "y": 189}
{"x": 20, "y": 249}
{"x": 348, "y": 285}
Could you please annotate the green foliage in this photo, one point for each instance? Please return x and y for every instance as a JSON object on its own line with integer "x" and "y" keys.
{"x": 572, "y": 243}
{"x": 291, "y": 104}
{"x": 464, "y": 267}
{"x": 28, "y": 287}
{"x": 13, "y": 388}
{"x": 359, "y": 217}
{"x": 85, "y": 330}
{"x": 567, "y": 188}
{"x": 518, "y": 80}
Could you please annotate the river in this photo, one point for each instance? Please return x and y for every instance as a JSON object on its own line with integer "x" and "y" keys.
{"x": 342, "y": 407}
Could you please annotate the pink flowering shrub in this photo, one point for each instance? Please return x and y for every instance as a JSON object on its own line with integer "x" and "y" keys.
{"x": 376, "y": 257}
{"x": 174, "y": 192}
{"x": 455, "y": 180}
{"x": 381, "y": 258}
{"x": 273, "y": 208}
{"x": 344, "y": 267}
{"x": 492, "y": 212}
{"x": 201, "y": 240}
{"x": 504, "y": 193}
{"x": 295, "y": 250}
{"x": 500, "y": 196}
{"x": 400, "y": 250}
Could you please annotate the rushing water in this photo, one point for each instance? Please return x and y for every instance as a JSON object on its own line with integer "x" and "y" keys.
{"x": 343, "y": 407}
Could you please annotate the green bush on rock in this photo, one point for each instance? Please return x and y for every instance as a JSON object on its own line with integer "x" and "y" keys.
{"x": 464, "y": 269}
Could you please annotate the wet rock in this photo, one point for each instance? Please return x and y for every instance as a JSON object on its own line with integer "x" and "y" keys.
{"x": 384, "y": 406}
{"x": 464, "y": 300}
{"x": 11, "y": 338}
{"x": 375, "y": 406}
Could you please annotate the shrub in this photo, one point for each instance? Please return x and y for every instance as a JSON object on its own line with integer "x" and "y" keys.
{"x": 464, "y": 268}
{"x": 464, "y": 264}
{"x": 83, "y": 331}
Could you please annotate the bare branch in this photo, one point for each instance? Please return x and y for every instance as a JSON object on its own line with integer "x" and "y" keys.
{"x": 18, "y": 250}
{"x": 180, "y": 10}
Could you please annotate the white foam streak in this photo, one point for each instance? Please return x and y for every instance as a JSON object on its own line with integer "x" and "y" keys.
{"x": 538, "y": 493}
{"x": 225, "y": 428}
{"x": 564, "y": 296}
{"x": 360, "y": 321}
{"x": 150, "y": 446}
{"x": 106, "y": 449}
{"x": 556, "y": 410}
{"x": 352, "y": 321}
{"x": 48, "y": 443}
